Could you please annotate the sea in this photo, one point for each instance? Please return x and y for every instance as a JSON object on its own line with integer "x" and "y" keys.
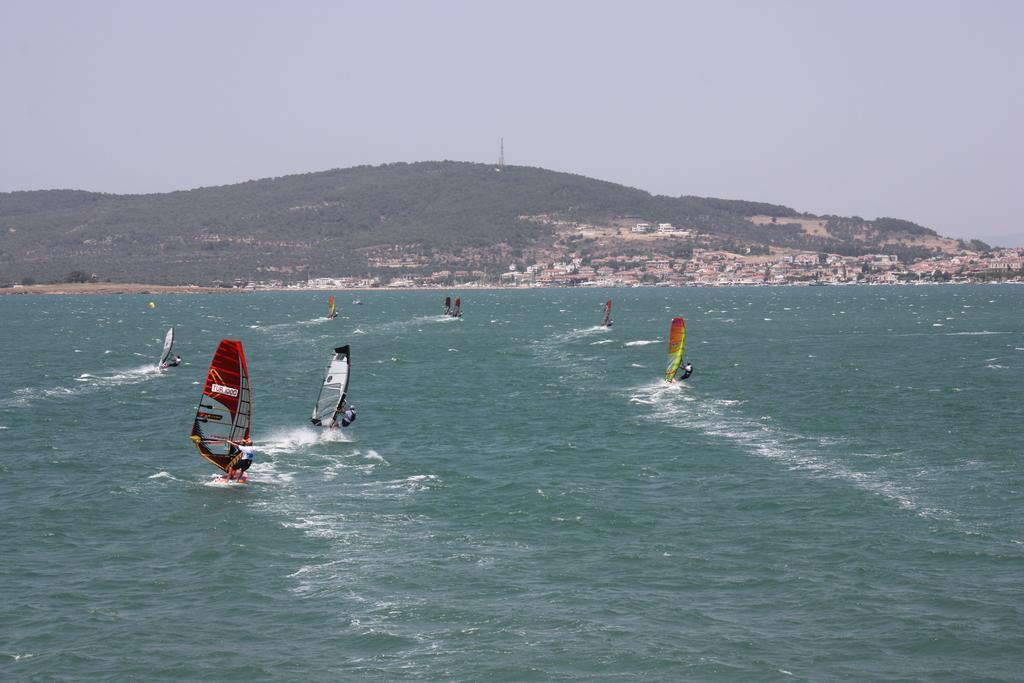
{"x": 837, "y": 493}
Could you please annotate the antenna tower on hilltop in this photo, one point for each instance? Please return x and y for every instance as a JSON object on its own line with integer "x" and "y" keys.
{"x": 501, "y": 155}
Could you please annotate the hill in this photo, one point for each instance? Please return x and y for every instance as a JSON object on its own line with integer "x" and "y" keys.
{"x": 369, "y": 220}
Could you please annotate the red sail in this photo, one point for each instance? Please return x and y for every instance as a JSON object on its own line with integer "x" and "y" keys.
{"x": 225, "y": 408}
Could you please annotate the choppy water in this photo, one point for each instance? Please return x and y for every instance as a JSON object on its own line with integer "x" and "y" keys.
{"x": 836, "y": 494}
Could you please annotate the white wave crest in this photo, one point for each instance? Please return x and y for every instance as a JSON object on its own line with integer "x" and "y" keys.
{"x": 291, "y": 440}
{"x": 374, "y": 455}
{"x": 972, "y": 334}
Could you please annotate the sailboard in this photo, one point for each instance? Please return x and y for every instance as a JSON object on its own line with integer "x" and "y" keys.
{"x": 447, "y": 305}
{"x": 676, "y": 347}
{"x": 331, "y": 400}
{"x": 457, "y": 309}
{"x": 225, "y": 407}
{"x": 168, "y": 343}
{"x": 607, "y": 314}
{"x": 332, "y": 307}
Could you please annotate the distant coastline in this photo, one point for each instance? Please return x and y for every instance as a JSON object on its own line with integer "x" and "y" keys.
{"x": 100, "y": 288}
{"x": 113, "y": 288}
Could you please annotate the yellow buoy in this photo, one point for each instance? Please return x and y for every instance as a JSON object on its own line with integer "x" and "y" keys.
{"x": 152, "y": 304}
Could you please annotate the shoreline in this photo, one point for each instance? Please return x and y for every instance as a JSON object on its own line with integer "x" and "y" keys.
{"x": 113, "y": 288}
{"x": 156, "y": 290}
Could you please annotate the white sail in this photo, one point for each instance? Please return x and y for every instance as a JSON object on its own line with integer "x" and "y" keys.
{"x": 331, "y": 400}
{"x": 168, "y": 343}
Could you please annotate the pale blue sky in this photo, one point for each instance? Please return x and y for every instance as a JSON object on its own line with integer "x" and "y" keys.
{"x": 907, "y": 109}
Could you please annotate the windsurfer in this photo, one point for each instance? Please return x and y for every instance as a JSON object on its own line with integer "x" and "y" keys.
{"x": 349, "y": 416}
{"x": 687, "y": 371}
{"x": 245, "y": 449}
{"x": 172, "y": 363}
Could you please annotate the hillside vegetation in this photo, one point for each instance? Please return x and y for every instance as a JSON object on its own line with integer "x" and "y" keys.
{"x": 345, "y": 221}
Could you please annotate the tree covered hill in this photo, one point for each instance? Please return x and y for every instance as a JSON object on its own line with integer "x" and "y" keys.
{"x": 338, "y": 222}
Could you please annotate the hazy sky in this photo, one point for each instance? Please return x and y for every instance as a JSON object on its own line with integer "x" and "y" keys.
{"x": 897, "y": 108}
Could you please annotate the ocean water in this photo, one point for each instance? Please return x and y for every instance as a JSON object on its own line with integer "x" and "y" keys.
{"x": 836, "y": 494}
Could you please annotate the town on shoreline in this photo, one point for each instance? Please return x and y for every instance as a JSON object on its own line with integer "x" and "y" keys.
{"x": 705, "y": 268}
{"x": 714, "y": 268}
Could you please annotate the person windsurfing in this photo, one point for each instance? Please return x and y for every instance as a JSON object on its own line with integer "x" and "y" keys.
{"x": 244, "y": 450}
{"x": 687, "y": 371}
{"x": 348, "y": 417}
{"x": 165, "y": 356}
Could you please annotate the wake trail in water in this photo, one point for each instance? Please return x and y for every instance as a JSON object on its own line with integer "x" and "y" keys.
{"x": 275, "y": 327}
{"x": 87, "y": 383}
{"x": 556, "y": 350}
{"x": 300, "y": 439}
{"x": 721, "y": 419}
{"x": 415, "y": 321}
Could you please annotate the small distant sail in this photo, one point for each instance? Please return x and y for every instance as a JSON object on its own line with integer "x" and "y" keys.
{"x": 225, "y": 407}
{"x": 676, "y": 347}
{"x": 607, "y": 314}
{"x": 333, "y": 391}
{"x": 168, "y": 343}
{"x": 457, "y": 310}
{"x": 332, "y": 307}
{"x": 447, "y": 305}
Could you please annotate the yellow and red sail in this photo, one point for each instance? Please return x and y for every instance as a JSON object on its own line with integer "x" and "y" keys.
{"x": 676, "y": 347}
